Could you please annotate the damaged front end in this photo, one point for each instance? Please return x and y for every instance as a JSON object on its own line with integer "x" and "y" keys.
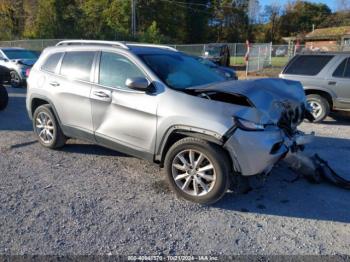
{"x": 267, "y": 131}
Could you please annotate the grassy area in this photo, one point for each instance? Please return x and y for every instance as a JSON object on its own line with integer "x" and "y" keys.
{"x": 266, "y": 72}
{"x": 276, "y": 61}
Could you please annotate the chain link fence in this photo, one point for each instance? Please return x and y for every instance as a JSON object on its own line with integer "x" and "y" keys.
{"x": 261, "y": 56}
{"x": 35, "y": 44}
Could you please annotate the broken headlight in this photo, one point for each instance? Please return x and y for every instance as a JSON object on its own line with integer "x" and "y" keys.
{"x": 248, "y": 125}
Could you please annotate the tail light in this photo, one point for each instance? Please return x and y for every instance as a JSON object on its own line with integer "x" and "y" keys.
{"x": 27, "y": 72}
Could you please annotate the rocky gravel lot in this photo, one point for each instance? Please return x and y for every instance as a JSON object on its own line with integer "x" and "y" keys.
{"x": 84, "y": 199}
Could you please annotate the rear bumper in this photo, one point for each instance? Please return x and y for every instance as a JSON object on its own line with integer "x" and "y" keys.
{"x": 256, "y": 152}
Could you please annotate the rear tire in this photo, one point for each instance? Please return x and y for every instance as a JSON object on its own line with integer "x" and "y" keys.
{"x": 4, "y": 98}
{"x": 47, "y": 128}
{"x": 320, "y": 107}
{"x": 197, "y": 170}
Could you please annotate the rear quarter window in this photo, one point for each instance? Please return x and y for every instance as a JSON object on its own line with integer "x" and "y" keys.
{"x": 308, "y": 65}
{"x": 51, "y": 62}
{"x": 343, "y": 70}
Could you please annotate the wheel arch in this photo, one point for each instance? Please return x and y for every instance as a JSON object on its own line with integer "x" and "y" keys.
{"x": 174, "y": 134}
{"x": 38, "y": 100}
{"x": 322, "y": 93}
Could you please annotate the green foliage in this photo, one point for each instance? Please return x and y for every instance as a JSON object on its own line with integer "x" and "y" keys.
{"x": 163, "y": 21}
{"x": 341, "y": 18}
{"x": 227, "y": 15}
{"x": 151, "y": 35}
{"x": 46, "y": 23}
{"x": 301, "y": 16}
{"x": 10, "y": 23}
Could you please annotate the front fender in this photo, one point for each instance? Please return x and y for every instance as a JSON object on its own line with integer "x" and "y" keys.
{"x": 186, "y": 131}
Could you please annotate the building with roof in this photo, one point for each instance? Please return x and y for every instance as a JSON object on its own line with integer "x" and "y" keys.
{"x": 328, "y": 39}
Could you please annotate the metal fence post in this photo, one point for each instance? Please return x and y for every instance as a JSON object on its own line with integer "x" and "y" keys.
{"x": 259, "y": 58}
{"x": 234, "y": 57}
{"x": 270, "y": 56}
{"x": 247, "y": 68}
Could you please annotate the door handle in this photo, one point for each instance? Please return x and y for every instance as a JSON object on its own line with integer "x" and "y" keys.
{"x": 101, "y": 94}
{"x": 54, "y": 83}
{"x": 332, "y": 83}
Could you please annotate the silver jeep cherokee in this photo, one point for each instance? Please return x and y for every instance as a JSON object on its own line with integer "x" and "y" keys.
{"x": 159, "y": 104}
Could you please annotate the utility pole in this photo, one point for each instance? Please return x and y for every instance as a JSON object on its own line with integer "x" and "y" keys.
{"x": 133, "y": 18}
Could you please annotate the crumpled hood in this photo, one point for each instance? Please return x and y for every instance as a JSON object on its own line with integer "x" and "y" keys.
{"x": 271, "y": 96}
{"x": 26, "y": 62}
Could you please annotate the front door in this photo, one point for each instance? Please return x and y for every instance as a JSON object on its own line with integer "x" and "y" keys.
{"x": 123, "y": 119}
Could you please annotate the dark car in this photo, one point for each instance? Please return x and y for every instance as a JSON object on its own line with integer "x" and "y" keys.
{"x": 226, "y": 72}
{"x": 218, "y": 53}
{"x": 4, "y": 77}
{"x": 18, "y": 61}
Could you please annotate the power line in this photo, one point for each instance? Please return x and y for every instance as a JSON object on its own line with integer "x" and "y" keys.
{"x": 185, "y": 3}
{"x": 187, "y": 7}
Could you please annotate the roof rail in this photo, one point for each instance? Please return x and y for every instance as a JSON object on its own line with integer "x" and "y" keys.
{"x": 92, "y": 42}
{"x": 112, "y": 43}
{"x": 152, "y": 45}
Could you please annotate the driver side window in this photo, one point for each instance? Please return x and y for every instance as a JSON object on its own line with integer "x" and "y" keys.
{"x": 115, "y": 69}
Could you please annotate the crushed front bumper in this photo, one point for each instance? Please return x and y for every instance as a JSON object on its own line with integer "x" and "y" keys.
{"x": 256, "y": 152}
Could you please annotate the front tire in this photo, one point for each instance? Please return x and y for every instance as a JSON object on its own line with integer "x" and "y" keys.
{"x": 197, "y": 170}
{"x": 320, "y": 107}
{"x": 47, "y": 128}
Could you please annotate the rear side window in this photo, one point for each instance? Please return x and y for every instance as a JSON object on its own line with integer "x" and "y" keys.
{"x": 77, "y": 65}
{"x": 343, "y": 70}
{"x": 307, "y": 64}
{"x": 51, "y": 62}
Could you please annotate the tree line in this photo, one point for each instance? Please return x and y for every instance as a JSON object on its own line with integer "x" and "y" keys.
{"x": 166, "y": 21}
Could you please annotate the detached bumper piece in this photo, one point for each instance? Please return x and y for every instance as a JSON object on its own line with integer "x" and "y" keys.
{"x": 315, "y": 169}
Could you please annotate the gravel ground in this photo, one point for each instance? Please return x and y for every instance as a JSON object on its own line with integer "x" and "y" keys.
{"x": 84, "y": 199}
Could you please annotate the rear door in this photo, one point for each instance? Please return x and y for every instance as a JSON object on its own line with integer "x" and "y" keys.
{"x": 123, "y": 119}
{"x": 340, "y": 82}
{"x": 71, "y": 88}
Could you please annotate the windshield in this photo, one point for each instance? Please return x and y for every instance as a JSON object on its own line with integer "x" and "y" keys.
{"x": 207, "y": 62}
{"x": 20, "y": 54}
{"x": 180, "y": 71}
{"x": 213, "y": 50}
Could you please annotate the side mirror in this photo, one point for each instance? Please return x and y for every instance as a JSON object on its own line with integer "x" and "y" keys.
{"x": 137, "y": 83}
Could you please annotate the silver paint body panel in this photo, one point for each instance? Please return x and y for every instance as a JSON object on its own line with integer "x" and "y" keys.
{"x": 141, "y": 121}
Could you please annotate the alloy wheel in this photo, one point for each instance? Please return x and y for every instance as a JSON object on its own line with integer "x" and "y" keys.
{"x": 45, "y": 127}
{"x": 15, "y": 79}
{"x": 193, "y": 172}
{"x": 316, "y": 109}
